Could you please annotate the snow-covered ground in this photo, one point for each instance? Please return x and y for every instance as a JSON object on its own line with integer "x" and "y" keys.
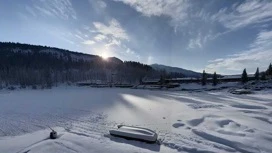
{"x": 185, "y": 121}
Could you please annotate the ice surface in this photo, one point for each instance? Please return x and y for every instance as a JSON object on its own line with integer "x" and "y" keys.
{"x": 215, "y": 121}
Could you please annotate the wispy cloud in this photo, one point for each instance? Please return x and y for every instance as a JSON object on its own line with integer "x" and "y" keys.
{"x": 114, "y": 29}
{"x": 111, "y": 38}
{"x": 129, "y": 51}
{"x": 175, "y": 9}
{"x": 55, "y": 8}
{"x": 88, "y": 42}
{"x": 238, "y": 15}
{"x": 98, "y": 5}
{"x": 31, "y": 11}
{"x": 113, "y": 42}
{"x": 200, "y": 40}
{"x": 100, "y": 37}
{"x": 195, "y": 43}
{"x": 102, "y": 4}
{"x": 184, "y": 13}
{"x": 44, "y": 11}
{"x": 247, "y": 13}
{"x": 259, "y": 54}
{"x": 264, "y": 39}
{"x": 79, "y": 37}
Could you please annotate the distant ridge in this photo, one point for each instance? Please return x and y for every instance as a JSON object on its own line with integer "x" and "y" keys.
{"x": 169, "y": 69}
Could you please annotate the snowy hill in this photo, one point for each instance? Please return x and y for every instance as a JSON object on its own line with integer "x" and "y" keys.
{"x": 169, "y": 69}
{"x": 33, "y": 65}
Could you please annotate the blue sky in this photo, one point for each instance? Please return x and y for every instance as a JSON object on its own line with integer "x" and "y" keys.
{"x": 223, "y": 36}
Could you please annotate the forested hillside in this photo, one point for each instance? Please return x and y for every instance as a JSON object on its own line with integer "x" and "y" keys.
{"x": 27, "y": 65}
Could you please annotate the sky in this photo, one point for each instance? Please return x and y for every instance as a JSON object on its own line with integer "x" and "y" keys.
{"x": 225, "y": 36}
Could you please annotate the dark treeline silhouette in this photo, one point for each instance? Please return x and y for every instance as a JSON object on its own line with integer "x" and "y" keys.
{"x": 204, "y": 78}
{"x": 28, "y": 65}
{"x": 244, "y": 77}
{"x": 258, "y": 75}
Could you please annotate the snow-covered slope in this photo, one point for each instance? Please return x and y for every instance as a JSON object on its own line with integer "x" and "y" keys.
{"x": 185, "y": 122}
{"x": 187, "y": 73}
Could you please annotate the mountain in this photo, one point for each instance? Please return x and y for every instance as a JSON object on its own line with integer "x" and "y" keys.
{"x": 33, "y": 65}
{"x": 169, "y": 69}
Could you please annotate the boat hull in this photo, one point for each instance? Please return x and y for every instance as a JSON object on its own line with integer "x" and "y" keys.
{"x": 135, "y": 133}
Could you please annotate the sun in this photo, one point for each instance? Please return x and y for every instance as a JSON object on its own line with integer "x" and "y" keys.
{"x": 104, "y": 56}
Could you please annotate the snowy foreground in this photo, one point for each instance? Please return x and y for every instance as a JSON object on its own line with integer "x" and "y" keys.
{"x": 186, "y": 122}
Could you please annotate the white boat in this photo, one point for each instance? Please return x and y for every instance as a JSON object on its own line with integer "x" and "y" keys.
{"x": 135, "y": 133}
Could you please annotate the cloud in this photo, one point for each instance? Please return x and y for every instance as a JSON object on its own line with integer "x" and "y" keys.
{"x": 100, "y": 37}
{"x": 79, "y": 37}
{"x": 258, "y": 54}
{"x": 238, "y": 15}
{"x": 264, "y": 39}
{"x": 130, "y": 54}
{"x": 200, "y": 40}
{"x": 102, "y": 4}
{"x": 89, "y": 42}
{"x": 114, "y": 29}
{"x": 54, "y": 8}
{"x": 113, "y": 42}
{"x": 195, "y": 43}
{"x": 111, "y": 37}
{"x": 247, "y": 13}
{"x": 129, "y": 51}
{"x": 175, "y": 9}
{"x": 44, "y": 11}
{"x": 98, "y": 5}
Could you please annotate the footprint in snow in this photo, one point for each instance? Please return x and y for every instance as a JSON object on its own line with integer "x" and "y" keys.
{"x": 188, "y": 128}
{"x": 177, "y": 125}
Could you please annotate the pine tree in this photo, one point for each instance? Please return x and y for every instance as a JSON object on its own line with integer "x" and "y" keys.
{"x": 263, "y": 77}
{"x": 163, "y": 77}
{"x": 257, "y": 75}
{"x": 244, "y": 76}
{"x": 162, "y": 80}
{"x": 215, "y": 80}
{"x": 48, "y": 78}
{"x": 141, "y": 80}
{"x": 204, "y": 78}
{"x": 269, "y": 70}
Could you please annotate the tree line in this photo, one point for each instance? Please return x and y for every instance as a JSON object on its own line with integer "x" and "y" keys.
{"x": 31, "y": 65}
{"x": 244, "y": 78}
{"x": 258, "y": 75}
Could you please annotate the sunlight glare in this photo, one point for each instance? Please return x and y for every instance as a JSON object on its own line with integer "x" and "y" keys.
{"x": 104, "y": 56}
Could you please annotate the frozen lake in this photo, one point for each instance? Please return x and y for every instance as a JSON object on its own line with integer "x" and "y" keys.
{"x": 185, "y": 122}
